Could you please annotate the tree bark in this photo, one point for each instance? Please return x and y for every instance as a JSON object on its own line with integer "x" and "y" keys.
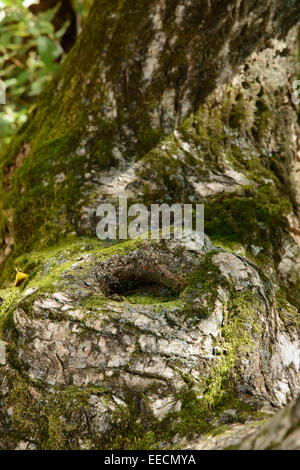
{"x": 136, "y": 73}
{"x": 161, "y": 101}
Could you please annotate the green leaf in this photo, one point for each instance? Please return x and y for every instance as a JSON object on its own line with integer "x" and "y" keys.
{"x": 48, "y": 52}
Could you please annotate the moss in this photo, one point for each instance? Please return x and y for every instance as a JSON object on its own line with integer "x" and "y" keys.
{"x": 9, "y": 300}
{"x": 93, "y": 302}
{"x": 52, "y": 421}
{"x": 132, "y": 432}
{"x": 148, "y": 138}
{"x": 239, "y": 328}
{"x": 46, "y": 265}
{"x": 101, "y": 151}
{"x": 202, "y": 284}
{"x": 149, "y": 295}
{"x": 195, "y": 419}
{"x": 218, "y": 390}
{"x": 63, "y": 412}
{"x": 238, "y": 115}
{"x": 67, "y": 134}
{"x": 254, "y": 215}
{"x": 202, "y": 404}
{"x": 288, "y": 313}
{"x": 257, "y": 215}
{"x": 23, "y": 415}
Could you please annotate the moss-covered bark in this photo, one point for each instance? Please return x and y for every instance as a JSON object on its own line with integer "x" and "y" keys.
{"x": 167, "y": 102}
{"x": 136, "y": 71}
{"x": 98, "y": 355}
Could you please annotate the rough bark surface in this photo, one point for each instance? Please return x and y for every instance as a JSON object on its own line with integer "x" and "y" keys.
{"x": 174, "y": 331}
{"x": 281, "y": 433}
{"x": 148, "y": 344}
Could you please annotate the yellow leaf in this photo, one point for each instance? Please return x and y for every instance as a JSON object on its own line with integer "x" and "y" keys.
{"x": 20, "y": 278}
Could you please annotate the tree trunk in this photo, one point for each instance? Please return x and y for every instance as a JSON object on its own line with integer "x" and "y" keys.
{"x": 161, "y": 101}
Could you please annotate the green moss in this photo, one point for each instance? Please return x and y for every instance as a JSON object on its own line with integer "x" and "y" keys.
{"x": 51, "y": 421}
{"x": 67, "y": 134}
{"x": 240, "y": 326}
{"x": 46, "y": 265}
{"x": 101, "y": 151}
{"x": 93, "y": 302}
{"x": 148, "y": 138}
{"x": 218, "y": 390}
{"x": 150, "y": 295}
{"x": 131, "y": 432}
{"x": 202, "y": 404}
{"x": 194, "y": 419}
{"x": 288, "y": 313}
{"x": 54, "y": 427}
{"x": 256, "y": 217}
{"x": 64, "y": 412}
{"x": 203, "y": 284}
{"x": 197, "y": 419}
{"x": 9, "y": 299}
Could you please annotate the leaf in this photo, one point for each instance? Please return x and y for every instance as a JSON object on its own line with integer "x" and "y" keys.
{"x": 20, "y": 278}
{"x": 48, "y": 52}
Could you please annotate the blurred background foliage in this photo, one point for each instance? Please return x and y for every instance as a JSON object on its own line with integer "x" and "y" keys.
{"x": 34, "y": 38}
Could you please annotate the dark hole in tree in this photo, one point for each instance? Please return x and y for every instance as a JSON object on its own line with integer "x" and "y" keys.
{"x": 141, "y": 281}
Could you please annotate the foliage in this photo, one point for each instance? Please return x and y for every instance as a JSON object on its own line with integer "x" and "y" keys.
{"x": 29, "y": 56}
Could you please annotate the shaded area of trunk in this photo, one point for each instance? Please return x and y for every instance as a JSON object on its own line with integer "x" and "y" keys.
{"x": 163, "y": 102}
